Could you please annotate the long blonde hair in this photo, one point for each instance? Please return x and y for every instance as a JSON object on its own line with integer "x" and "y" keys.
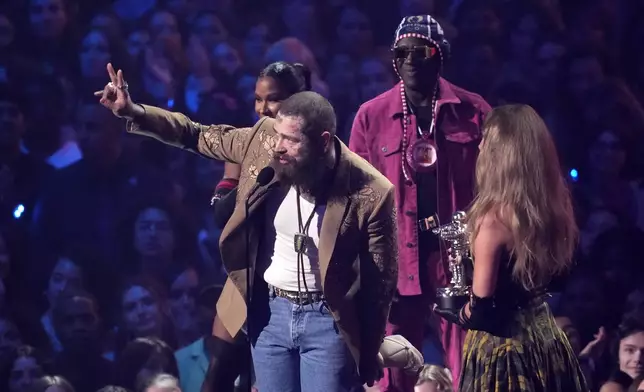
{"x": 520, "y": 181}
{"x": 441, "y": 376}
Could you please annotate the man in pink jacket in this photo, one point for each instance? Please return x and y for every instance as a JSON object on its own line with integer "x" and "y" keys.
{"x": 423, "y": 134}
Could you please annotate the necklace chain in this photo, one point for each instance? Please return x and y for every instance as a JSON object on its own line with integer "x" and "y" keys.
{"x": 407, "y": 120}
{"x": 432, "y": 127}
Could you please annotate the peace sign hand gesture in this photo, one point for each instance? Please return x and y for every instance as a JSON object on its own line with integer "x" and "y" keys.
{"x": 115, "y": 95}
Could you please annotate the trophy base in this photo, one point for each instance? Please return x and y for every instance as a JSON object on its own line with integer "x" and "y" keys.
{"x": 452, "y": 297}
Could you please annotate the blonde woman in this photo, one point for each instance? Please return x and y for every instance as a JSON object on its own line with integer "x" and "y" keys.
{"x": 163, "y": 383}
{"x": 433, "y": 378}
{"x": 522, "y": 233}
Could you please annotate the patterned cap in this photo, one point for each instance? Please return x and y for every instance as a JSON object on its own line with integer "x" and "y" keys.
{"x": 423, "y": 27}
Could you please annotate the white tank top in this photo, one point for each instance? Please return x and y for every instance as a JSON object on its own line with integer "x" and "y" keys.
{"x": 282, "y": 272}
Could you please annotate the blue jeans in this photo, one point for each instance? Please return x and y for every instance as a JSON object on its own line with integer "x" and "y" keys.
{"x": 298, "y": 348}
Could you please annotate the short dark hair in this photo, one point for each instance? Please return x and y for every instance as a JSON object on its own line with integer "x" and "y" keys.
{"x": 141, "y": 353}
{"x": 314, "y": 110}
{"x": 630, "y": 324}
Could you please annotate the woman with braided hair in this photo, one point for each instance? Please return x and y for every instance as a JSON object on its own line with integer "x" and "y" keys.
{"x": 275, "y": 83}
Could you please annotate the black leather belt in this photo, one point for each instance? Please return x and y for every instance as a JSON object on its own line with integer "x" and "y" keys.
{"x": 299, "y": 298}
{"x": 427, "y": 224}
{"x": 523, "y": 300}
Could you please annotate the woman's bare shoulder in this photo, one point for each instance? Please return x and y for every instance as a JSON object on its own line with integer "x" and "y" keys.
{"x": 493, "y": 225}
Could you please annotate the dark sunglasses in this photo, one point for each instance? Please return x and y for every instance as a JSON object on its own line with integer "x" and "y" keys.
{"x": 417, "y": 52}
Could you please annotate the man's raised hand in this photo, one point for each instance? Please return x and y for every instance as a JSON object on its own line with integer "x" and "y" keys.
{"x": 115, "y": 95}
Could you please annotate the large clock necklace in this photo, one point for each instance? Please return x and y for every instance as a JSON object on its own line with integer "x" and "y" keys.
{"x": 421, "y": 156}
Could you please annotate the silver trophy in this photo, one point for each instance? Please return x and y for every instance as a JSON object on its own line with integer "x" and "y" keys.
{"x": 458, "y": 292}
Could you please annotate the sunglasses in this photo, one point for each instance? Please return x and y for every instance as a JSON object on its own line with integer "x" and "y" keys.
{"x": 417, "y": 52}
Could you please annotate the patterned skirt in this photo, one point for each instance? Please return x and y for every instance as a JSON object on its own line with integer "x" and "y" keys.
{"x": 530, "y": 354}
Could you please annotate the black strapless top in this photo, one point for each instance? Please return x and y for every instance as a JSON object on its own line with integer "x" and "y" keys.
{"x": 510, "y": 294}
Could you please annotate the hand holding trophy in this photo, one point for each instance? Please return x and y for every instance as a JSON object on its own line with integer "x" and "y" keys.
{"x": 458, "y": 292}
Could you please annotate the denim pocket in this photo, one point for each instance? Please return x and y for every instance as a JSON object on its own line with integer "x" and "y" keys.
{"x": 325, "y": 311}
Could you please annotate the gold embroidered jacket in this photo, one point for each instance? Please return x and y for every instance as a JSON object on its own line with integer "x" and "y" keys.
{"x": 357, "y": 246}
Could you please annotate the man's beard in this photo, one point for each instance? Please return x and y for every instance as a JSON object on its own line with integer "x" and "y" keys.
{"x": 307, "y": 174}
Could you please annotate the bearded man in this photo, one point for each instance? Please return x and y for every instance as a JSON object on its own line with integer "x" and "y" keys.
{"x": 310, "y": 249}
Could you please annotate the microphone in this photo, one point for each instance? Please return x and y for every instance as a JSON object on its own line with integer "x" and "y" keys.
{"x": 263, "y": 178}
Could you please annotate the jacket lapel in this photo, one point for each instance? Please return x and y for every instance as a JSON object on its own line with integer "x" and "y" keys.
{"x": 239, "y": 246}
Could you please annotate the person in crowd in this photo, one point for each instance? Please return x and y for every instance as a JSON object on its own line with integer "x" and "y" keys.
{"x": 193, "y": 360}
{"x": 143, "y": 303}
{"x": 80, "y": 206}
{"x": 163, "y": 383}
{"x": 78, "y": 325}
{"x": 10, "y": 339}
{"x": 628, "y": 350}
{"x": 52, "y": 384}
{"x": 422, "y": 135}
{"x": 27, "y": 365}
{"x": 112, "y": 388}
{"x": 66, "y": 273}
{"x": 298, "y": 163}
{"x": 589, "y": 356}
{"x": 21, "y": 174}
{"x": 142, "y": 360}
{"x": 434, "y": 378}
{"x": 184, "y": 283}
{"x": 155, "y": 238}
{"x": 522, "y": 230}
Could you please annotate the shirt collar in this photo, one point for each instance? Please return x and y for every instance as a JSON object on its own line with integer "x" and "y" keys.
{"x": 446, "y": 95}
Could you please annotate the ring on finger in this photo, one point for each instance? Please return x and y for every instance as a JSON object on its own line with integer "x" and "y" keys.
{"x": 124, "y": 86}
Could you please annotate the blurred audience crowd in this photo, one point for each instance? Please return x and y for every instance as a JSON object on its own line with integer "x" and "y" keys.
{"x": 109, "y": 266}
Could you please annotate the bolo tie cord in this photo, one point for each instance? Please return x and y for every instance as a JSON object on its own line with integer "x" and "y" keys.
{"x": 304, "y": 230}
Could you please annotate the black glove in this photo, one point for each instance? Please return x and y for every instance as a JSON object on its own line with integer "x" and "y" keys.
{"x": 224, "y": 206}
{"x": 455, "y": 316}
{"x": 370, "y": 371}
{"x": 483, "y": 315}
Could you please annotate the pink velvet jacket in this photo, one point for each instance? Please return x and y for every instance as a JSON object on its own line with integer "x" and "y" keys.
{"x": 377, "y": 136}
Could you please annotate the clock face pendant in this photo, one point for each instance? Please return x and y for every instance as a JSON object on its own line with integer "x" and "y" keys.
{"x": 422, "y": 155}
